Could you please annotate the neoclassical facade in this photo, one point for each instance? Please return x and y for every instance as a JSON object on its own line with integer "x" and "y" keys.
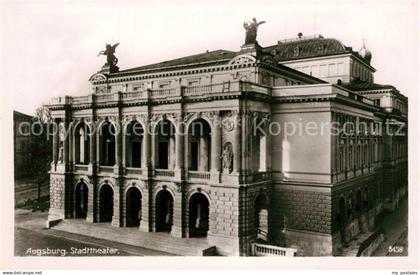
{"x": 199, "y": 147}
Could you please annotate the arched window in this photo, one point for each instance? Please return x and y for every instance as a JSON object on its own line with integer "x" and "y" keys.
{"x": 134, "y": 143}
{"x": 82, "y": 142}
{"x": 107, "y": 144}
{"x": 165, "y": 135}
{"x": 199, "y": 145}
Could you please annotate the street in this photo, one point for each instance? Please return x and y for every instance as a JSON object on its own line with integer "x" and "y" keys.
{"x": 395, "y": 226}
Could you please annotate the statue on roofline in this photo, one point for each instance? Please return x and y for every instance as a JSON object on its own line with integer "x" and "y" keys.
{"x": 109, "y": 51}
{"x": 251, "y": 28}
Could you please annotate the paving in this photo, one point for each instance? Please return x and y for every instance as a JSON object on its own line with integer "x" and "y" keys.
{"x": 129, "y": 241}
{"x": 395, "y": 226}
{"x": 161, "y": 241}
{"x": 31, "y": 233}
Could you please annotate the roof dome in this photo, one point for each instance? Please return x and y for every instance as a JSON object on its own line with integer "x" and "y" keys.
{"x": 365, "y": 53}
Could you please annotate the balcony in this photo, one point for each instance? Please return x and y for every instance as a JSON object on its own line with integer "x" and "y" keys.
{"x": 133, "y": 171}
{"x": 164, "y": 173}
{"x": 198, "y": 176}
{"x": 83, "y": 168}
{"x": 234, "y": 87}
{"x": 106, "y": 169}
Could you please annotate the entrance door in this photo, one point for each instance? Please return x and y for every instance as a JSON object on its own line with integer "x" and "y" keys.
{"x": 198, "y": 216}
{"x": 133, "y": 207}
{"x": 106, "y": 203}
{"x": 81, "y": 200}
{"x": 164, "y": 211}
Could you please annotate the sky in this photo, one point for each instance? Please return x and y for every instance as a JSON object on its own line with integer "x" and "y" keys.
{"x": 49, "y": 48}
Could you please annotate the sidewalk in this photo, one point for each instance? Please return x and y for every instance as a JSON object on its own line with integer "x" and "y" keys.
{"x": 32, "y": 225}
{"x": 395, "y": 225}
{"x": 126, "y": 239}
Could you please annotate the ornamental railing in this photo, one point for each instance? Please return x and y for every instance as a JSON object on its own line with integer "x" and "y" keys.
{"x": 164, "y": 173}
{"x": 198, "y": 175}
{"x": 81, "y": 167}
{"x": 106, "y": 169}
{"x": 162, "y": 93}
{"x": 271, "y": 250}
{"x": 199, "y": 90}
{"x": 134, "y": 171}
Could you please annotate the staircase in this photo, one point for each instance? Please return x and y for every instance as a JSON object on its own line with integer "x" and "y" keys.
{"x": 160, "y": 241}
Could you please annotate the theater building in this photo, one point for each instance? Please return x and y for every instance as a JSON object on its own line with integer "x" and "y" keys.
{"x": 200, "y": 147}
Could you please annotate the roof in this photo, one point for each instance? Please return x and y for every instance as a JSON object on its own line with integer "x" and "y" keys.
{"x": 17, "y": 114}
{"x": 359, "y": 85}
{"x": 217, "y": 56}
{"x": 317, "y": 46}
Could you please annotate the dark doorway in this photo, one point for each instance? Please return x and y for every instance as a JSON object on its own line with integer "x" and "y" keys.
{"x": 164, "y": 211}
{"x": 261, "y": 216}
{"x": 133, "y": 207}
{"x": 194, "y": 156}
{"x": 198, "y": 216}
{"x": 136, "y": 154}
{"x": 110, "y": 152}
{"x": 106, "y": 203}
{"x": 163, "y": 155}
{"x": 81, "y": 200}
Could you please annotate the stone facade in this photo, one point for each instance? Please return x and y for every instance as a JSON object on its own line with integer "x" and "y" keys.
{"x": 233, "y": 182}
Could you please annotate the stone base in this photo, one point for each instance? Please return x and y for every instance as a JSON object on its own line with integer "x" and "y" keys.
{"x": 144, "y": 226}
{"x": 309, "y": 243}
{"x": 176, "y": 231}
{"x": 225, "y": 246}
{"x": 54, "y": 217}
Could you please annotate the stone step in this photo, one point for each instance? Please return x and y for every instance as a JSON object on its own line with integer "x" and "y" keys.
{"x": 158, "y": 241}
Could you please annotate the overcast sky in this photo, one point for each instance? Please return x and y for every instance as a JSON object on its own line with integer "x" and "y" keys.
{"x": 49, "y": 48}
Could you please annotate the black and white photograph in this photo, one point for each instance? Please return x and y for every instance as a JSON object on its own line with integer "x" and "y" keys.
{"x": 152, "y": 133}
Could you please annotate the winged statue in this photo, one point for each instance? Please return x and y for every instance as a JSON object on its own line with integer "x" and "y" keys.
{"x": 109, "y": 51}
{"x": 251, "y": 28}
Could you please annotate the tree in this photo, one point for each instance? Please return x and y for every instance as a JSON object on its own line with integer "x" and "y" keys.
{"x": 40, "y": 147}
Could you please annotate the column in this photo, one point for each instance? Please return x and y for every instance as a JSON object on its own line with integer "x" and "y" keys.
{"x": 237, "y": 145}
{"x": 153, "y": 141}
{"x": 99, "y": 146}
{"x": 203, "y": 154}
{"x": 55, "y": 142}
{"x": 145, "y": 162}
{"x": 172, "y": 151}
{"x": 118, "y": 144}
{"x": 66, "y": 142}
{"x": 179, "y": 150}
{"x": 216, "y": 144}
{"x": 263, "y": 153}
{"x": 92, "y": 150}
{"x": 125, "y": 148}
